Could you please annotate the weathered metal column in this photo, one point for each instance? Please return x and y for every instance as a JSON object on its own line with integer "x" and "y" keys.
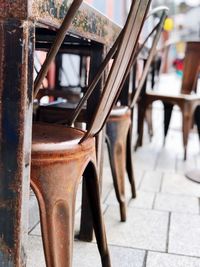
{"x": 16, "y": 80}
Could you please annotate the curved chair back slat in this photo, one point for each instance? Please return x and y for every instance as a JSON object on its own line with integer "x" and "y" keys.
{"x": 56, "y": 44}
{"x": 122, "y": 63}
{"x": 157, "y": 30}
{"x": 191, "y": 67}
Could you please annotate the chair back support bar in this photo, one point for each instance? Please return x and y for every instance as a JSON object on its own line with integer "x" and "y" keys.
{"x": 121, "y": 66}
{"x": 157, "y": 30}
{"x": 56, "y": 44}
{"x": 191, "y": 67}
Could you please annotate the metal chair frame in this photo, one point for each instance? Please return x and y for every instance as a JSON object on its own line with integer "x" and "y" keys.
{"x": 61, "y": 155}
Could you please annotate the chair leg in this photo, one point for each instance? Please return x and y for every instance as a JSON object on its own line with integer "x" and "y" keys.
{"x": 167, "y": 117}
{"x": 86, "y": 225}
{"x": 197, "y": 119}
{"x": 117, "y": 131}
{"x": 55, "y": 186}
{"x": 186, "y": 124}
{"x": 93, "y": 192}
{"x": 140, "y": 123}
{"x": 129, "y": 162}
{"x": 148, "y": 117}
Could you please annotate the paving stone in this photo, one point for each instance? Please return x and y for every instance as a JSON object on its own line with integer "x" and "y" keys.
{"x": 179, "y": 184}
{"x": 151, "y": 181}
{"x": 166, "y": 161}
{"x": 156, "y": 259}
{"x": 138, "y": 175}
{"x": 177, "y": 203}
{"x": 87, "y": 255}
{"x": 145, "y": 229}
{"x": 145, "y": 157}
{"x": 184, "y": 237}
{"x": 33, "y": 212}
{"x": 35, "y": 252}
{"x": 143, "y": 200}
{"x": 107, "y": 182}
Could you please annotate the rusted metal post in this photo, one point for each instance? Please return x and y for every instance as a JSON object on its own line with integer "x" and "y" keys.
{"x": 16, "y": 79}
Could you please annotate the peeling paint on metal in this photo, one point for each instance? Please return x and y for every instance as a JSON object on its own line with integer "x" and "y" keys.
{"x": 88, "y": 22}
{"x": 13, "y": 8}
{"x": 14, "y": 185}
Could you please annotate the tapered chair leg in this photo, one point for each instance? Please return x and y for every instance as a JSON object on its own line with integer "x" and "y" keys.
{"x": 86, "y": 224}
{"x": 93, "y": 192}
{"x": 56, "y": 194}
{"x": 197, "y": 119}
{"x": 186, "y": 124}
{"x": 167, "y": 117}
{"x": 129, "y": 162}
{"x": 117, "y": 130}
{"x": 140, "y": 123}
{"x": 55, "y": 178}
{"x": 148, "y": 117}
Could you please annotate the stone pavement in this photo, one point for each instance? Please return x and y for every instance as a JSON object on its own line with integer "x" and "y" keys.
{"x": 163, "y": 222}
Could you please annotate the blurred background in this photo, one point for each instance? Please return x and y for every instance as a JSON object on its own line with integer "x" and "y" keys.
{"x": 185, "y": 14}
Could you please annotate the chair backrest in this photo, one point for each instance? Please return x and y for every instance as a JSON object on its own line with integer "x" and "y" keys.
{"x": 191, "y": 67}
{"x": 125, "y": 47}
{"x": 157, "y": 29}
{"x": 61, "y": 33}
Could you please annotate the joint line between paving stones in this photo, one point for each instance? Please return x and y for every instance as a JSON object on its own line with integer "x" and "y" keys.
{"x": 145, "y": 259}
{"x": 142, "y": 179}
{"x": 107, "y": 195}
{"x": 168, "y": 232}
{"x": 29, "y": 232}
{"x": 161, "y": 182}
{"x": 154, "y": 201}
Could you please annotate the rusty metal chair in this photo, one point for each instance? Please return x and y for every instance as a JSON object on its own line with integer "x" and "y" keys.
{"x": 118, "y": 128}
{"x": 120, "y": 124}
{"x": 60, "y": 154}
{"x": 187, "y": 99}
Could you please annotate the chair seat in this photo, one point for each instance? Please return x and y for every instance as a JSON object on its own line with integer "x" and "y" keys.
{"x": 169, "y": 87}
{"x": 53, "y": 137}
{"x": 119, "y": 111}
{"x": 173, "y": 96}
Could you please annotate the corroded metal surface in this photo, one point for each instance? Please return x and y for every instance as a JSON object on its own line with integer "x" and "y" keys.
{"x": 117, "y": 129}
{"x": 88, "y": 23}
{"x": 14, "y": 8}
{"x": 15, "y": 97}
{"x": 53, "y": 158}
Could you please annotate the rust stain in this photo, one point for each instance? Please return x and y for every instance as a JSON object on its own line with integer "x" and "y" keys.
{"x": 13, "y": 8}
{"x": 15, "y": 36}
{"x": 6, "y": 256}
{"x": 88, "y": 22}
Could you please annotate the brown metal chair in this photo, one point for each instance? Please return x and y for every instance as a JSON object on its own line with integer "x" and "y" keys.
{"x": 187, "y": 99}
{"x": 118, "y": 129}
{"x": 60, "y": 155}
